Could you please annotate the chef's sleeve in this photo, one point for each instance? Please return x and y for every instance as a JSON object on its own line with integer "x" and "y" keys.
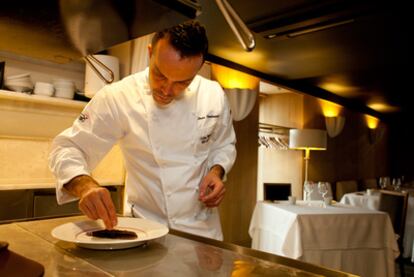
{"x": 223, "y": 151}
{"x": 78, "y": 149}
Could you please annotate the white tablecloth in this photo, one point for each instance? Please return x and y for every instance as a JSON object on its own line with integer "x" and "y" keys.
{"x": 354, "y": 240}
{"x": 361, "y": 199}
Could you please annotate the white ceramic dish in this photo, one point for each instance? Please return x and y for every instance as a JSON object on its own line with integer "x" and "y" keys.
{"x": 18, "y": 88}
{"x": 42, "y": 88}
{"x": 64, "y": 93}
{"x": 20, "y": 76}
{"x": 76, "y": 232}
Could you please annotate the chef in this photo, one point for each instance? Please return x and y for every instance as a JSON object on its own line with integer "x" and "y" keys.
{"x": 175, "y": 132}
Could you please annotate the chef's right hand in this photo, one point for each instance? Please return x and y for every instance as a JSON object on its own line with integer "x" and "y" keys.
{"x": 94, "y": 201}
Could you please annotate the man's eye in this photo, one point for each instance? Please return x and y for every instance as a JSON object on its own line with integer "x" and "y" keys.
{"x": 160, "y": 77}
{"x": 184, "y": 83}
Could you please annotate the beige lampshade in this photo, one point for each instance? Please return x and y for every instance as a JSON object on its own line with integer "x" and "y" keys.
{"x": 334, "y": 125}
{"x": 312, "y": 139}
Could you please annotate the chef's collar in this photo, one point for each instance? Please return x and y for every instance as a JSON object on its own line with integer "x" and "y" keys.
{"x": 146, "y": 86}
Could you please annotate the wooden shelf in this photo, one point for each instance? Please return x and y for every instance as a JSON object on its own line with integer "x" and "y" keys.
{"x": 38, "y": 99}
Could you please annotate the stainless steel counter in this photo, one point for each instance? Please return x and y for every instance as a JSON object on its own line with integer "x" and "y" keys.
{"x": 177, "y": 254}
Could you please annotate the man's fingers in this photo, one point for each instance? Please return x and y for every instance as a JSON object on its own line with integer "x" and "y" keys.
{"x": 203, "y": 190}
{"x": 98, "y": 204}
{"x": 109, "y": 207}
{"x": 88, "y": 211}
{"x": 212, "y": 197}
{"x": 216, "y": 201}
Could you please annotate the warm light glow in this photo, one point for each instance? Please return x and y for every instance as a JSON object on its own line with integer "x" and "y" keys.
{"x": 382, "y": 107}
{"x": 242, "y": 268}
{"x": 329, "y": 109}
{"x": 340, "y": 85}
{"x": 372, "y": 122}
{"x": 340, "y": 89}
{"x": 230, "y": 78}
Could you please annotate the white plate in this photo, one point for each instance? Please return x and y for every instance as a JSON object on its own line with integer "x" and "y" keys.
{"x": 76, "y": 232}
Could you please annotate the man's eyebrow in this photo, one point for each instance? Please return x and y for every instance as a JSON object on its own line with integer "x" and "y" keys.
{"x": 158, "y": 71}
{"x": 188, "y": 80}
{"x": 182, "y": 81}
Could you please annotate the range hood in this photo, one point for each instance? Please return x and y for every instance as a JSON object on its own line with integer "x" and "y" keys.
{"x": 66, "y": 30}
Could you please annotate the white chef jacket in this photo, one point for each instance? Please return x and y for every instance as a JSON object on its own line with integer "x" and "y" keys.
{"x": 167, "y": 149}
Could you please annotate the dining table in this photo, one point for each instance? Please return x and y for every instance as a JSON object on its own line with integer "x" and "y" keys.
{"x": 32, "y": 243}
{"x": 371, "y": 201}
{"x": 351, "y": 239}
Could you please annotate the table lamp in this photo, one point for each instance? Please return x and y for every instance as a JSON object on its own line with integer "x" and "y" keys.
{"x": 307, "y": 139}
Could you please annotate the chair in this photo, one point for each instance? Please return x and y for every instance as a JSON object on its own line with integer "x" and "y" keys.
{"x": 395, "y": 204}
{"x": 344, "y": 187}
{"x": 369, "y": 184}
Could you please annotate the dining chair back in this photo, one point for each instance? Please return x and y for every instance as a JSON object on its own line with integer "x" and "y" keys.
{"x": 343, "y": 187}
{"x": 395, "y": 204}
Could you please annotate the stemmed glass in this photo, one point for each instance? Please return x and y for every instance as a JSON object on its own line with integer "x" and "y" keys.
{"x": 309, "y": 187}
{"x": 382, "y": 182}
{"x": 396, "y": 183}
{"x": 323, "y": 189}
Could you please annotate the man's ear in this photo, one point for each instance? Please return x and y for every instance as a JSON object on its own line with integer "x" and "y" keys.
{"x": 149, "y": 50}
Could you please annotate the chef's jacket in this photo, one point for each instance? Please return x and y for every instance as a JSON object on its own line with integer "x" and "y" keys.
{"x": 167, "y": 149}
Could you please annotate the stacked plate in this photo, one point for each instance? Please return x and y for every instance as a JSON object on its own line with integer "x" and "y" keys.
{"x": 64, "y": 88}
{"x": 20, "y": 83}
{"x": 42, "y": 88}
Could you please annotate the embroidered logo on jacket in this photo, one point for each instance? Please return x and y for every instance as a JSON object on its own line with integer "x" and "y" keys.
{"x": 210, "y": 119}
{"x": 83, "y": 117}
{"x": 205, "y": 139}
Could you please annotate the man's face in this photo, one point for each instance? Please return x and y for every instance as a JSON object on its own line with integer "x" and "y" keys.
{"x": 169, "y": 73}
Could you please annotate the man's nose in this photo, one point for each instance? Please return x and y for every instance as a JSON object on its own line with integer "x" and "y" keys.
{"x": 167, "y": 89}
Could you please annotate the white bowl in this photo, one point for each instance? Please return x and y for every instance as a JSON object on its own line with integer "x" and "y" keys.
{"x": 18, "y": 88}
{"x": 65, "y": 93}
{"x": 42, "y": 88}
{"x": 20, "y": 76}
{"x": 63, "y": 83}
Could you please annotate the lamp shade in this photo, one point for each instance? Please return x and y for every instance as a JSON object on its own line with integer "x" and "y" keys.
{"x": 311, "y": 139}
{"x": 241, "y": 102}
{"x": 334, "y": 125}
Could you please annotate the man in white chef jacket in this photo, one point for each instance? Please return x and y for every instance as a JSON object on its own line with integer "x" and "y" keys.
{"x": 175, "y": 132}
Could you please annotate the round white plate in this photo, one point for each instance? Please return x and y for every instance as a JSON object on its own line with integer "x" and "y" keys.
{"x": 76, "y": 232}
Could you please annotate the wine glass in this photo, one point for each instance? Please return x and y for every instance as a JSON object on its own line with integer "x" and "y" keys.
{"x": 396, "y": 183}
{"x": 387, "y": 182}
{"x": 309, "y": 187}
{"x": 382, "y": 183}
{"x": 323, "y": 189}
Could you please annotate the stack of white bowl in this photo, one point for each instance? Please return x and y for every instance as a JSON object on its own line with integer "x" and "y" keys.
{"x": 44, "y": 89}
{"x": 20, "y": 83}
{"x": 64, "y": 88}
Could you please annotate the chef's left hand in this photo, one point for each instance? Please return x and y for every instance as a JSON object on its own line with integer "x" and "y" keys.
{"x": 212, "y": 188}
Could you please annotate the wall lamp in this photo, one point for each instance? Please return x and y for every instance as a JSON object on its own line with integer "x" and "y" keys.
{"x": 373, "y": 133}
{"x": 241, "y": 89}
{"x": 333, "y": 121}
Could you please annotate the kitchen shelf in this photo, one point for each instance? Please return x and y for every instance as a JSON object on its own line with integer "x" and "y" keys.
{"x": 38, "y": 99}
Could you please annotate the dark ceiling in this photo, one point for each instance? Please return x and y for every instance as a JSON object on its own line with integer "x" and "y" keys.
{"x": 359, "y": 58}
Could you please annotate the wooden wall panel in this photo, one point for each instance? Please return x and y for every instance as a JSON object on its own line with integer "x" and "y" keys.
{"x": 237, "y": 207}
{"x": 350, "y": 155}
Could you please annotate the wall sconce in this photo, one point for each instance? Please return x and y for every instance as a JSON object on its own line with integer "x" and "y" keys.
{"x": 241, "y": 89}
{"x": 333, "y": 122}
{"x": 374, "y": 133}
{"x": 307, "y": 139}
{"x": 334, "y": 125}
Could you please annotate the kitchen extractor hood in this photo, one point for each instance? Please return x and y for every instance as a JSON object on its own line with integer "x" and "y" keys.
{"x": 66, "y": 30}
